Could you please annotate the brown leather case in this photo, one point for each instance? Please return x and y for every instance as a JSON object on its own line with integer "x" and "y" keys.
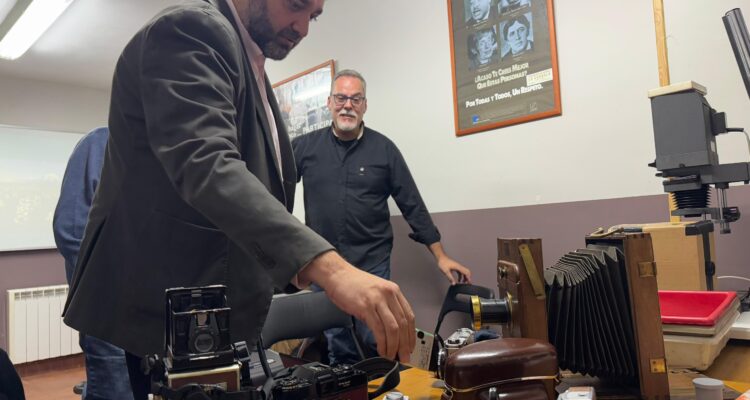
{"x": 516, "y": 367}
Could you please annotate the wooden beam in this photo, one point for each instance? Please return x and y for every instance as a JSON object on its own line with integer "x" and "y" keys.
{"x": 661, "y": 42}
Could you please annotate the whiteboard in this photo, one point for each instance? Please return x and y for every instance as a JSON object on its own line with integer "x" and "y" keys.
{"x": 32, "y": 165}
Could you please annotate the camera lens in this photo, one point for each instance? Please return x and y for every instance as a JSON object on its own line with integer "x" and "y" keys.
{"x": 204, "y": 342}
{"x": 489, "y": 311}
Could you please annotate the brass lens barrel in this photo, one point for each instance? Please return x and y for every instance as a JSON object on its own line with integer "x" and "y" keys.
{"x": 489, "y": 311}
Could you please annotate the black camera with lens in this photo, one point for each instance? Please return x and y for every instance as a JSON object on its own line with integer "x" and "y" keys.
{"x": 319, "y": 381}
{"x": 201, "y": 362}
{"x": 199, "y": 358}
{"x": 197, "y": 328}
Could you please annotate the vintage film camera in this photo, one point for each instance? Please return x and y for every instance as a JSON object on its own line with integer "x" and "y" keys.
{"x": 473, "y": 363}
{"x": 199, "y": 356}
{"x": 319, "y": 381}
{"x": 432, "y": 351}
{"x": 200, "y": 362}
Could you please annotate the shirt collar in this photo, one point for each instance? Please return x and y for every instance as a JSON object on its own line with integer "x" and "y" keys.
{"x": 254, "y": 52}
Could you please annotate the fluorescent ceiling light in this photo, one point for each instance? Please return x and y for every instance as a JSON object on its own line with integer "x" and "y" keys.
{"x": 36, "y": 18}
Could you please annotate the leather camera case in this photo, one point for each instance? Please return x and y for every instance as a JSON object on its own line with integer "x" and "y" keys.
{"x": 516, "y": 367}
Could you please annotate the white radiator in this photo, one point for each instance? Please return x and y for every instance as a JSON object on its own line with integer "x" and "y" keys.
{"x": 35, "y": 327}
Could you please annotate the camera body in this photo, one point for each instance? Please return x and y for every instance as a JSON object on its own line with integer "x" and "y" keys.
{"x": 319, "y": 381}
{"x": 200, "y": 362}
{"x": 197, "y": 328}
{"x": 458, "y": 339}
{"x": 199, "y": 353}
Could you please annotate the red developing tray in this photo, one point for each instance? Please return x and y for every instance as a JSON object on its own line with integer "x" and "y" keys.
{"x": 693, "y": 308}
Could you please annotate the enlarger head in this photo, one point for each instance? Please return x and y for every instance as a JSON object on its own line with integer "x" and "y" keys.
{"x": 685, "y": 130}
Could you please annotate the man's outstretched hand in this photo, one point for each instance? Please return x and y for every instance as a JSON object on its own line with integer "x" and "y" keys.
{"x": 376, "y": 301}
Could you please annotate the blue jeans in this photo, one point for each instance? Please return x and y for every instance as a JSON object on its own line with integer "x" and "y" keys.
{"x": 341, "y": 346}
{"x": 106, "y": 371}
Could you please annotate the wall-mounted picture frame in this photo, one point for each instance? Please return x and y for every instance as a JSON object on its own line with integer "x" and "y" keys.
{"x": 504, "y": 63}
{"x": 302, "y": 99}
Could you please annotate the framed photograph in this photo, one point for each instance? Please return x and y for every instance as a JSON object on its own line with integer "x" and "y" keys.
{"x": 504, "y": 63}
{"x": 302, "y": 99}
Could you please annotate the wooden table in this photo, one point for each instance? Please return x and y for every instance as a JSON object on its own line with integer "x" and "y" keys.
{"x": 732, "y": 366}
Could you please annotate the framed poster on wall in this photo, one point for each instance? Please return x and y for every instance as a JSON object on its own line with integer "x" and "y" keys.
{"x": 302, "y": 99}
{"x": 504, "y": 63}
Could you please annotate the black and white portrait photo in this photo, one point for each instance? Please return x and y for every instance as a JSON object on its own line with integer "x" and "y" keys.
{"x": 517, "y": 35}
{"x": 477, "y": 11}
{"x": 506, "y": 6}
{"x": 483, "y": 48}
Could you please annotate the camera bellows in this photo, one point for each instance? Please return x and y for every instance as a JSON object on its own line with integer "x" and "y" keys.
{"x": 589, "y": 313}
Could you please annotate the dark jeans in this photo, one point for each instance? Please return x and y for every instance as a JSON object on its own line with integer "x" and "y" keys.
{"x": 341, "y": 346}
{"x": 10, "y": 384}
{"x": 140, "y": 383}
{"x": 106, "y": 372}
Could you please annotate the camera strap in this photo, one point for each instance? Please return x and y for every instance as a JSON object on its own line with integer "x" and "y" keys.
{"x": 379, "y": 367}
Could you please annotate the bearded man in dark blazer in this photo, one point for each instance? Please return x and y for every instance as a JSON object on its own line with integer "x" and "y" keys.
{"x": 198, "y": 184}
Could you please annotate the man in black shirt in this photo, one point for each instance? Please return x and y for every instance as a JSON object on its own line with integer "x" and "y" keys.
{"x": 349, "y": 173}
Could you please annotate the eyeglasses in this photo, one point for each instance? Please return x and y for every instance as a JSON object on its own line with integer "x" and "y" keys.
{"x": 340, "y": 99}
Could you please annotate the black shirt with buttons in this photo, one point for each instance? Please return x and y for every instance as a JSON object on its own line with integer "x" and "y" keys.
{"x": 346, "y": 189}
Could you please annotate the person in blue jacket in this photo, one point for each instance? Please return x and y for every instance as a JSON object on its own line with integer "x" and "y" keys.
{"x": 106, "y": 371}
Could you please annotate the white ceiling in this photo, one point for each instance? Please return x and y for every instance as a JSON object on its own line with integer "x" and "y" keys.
{"x": 5, "y": 7}
{"x": 82, "y": 46}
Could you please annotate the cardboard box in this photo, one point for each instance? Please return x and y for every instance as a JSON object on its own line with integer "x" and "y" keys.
{"x": 680, "y": 264}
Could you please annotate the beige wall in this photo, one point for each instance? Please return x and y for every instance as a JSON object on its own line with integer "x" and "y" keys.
{"x": 607, "y": 63}
{"x": 51, "y": 106}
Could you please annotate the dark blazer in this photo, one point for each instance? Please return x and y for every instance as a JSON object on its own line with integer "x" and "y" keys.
{"x": 190, "y": 192}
